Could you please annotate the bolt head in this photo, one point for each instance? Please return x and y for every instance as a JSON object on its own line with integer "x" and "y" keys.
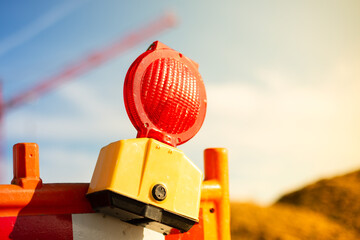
{"x": 159, "y": 192}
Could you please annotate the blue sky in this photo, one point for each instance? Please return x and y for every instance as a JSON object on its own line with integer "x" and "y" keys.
{"x": 282, "y": 80}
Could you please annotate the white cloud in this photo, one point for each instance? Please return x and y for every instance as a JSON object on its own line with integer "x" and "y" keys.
{"x": 60, "y": 164}
{"x": 95, "y": 117}
{"x": 285, "y": 133}
{"x": 5, "y": 172}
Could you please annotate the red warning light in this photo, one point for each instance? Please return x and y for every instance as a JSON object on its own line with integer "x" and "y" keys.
{"x": 165, "y": 95}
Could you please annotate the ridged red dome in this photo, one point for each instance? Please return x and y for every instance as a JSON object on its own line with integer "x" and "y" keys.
{"x": 170, "y": 95}
{"x": 165, "y": 96}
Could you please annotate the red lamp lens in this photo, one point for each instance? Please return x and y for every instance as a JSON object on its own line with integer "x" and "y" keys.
{"x": 169, "y": 96}
{"x": 165, "y": 96}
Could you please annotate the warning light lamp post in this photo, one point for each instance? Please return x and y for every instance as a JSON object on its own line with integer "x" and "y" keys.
{"x": 138, "y": 185}
{"x": 147, "y": 181}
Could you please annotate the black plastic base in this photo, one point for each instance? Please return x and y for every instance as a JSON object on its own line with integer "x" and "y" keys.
{"x": 138, "y": 213}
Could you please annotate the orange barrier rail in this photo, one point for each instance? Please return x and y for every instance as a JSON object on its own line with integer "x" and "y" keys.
{"x": 28, "y": 196}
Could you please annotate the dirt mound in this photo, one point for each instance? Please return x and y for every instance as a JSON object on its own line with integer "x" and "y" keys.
{"x": 337, "y": 198}
{"x": 283, "y": 222}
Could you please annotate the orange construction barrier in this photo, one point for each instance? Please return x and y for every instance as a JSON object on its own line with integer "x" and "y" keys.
{"x": 30, "y": 209}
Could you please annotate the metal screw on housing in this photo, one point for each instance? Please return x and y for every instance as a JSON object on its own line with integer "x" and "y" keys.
{"x": 159, "y": 192}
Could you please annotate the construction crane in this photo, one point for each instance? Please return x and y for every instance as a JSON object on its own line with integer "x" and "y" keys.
{"x": 84, "y": 65}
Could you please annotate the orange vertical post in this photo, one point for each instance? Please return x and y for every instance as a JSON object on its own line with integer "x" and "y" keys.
{"x": 26, "y": 165}
{"x": 216, "y": 189}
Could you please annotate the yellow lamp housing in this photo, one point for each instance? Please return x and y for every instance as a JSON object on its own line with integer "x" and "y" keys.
{"x": 148, "y": 183}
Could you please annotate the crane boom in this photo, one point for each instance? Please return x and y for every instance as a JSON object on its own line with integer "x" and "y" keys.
{"x": 84, "y": 65}
{"x": 93, "y": 60}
